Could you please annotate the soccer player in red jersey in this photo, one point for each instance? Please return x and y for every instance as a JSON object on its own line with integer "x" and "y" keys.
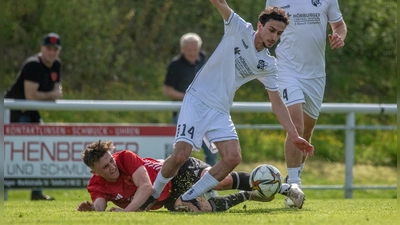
{"x": 126, "y": 179}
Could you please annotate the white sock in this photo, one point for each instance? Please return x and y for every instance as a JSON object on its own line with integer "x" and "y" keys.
{"x": 206, "y": 183}
{"x": 294, "y": 176}
{"x": 159, "y": 185}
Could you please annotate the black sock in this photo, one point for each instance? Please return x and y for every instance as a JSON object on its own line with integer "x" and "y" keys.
{"x": 241, "y": 181}
{"x": 36, "y": 192}
{"x": 223, "y": 203}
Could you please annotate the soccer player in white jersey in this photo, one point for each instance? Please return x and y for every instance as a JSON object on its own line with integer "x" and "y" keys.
{"x": 301, "y": 67}
{"x": 241, "y": 56}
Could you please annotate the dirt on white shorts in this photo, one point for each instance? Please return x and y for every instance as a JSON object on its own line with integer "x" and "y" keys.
{"x": 198, "y": 122}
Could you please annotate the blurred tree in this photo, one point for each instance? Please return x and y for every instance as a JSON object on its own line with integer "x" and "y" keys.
{"x": 119, "y": 50}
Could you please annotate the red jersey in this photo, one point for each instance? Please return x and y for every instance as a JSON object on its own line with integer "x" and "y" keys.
{"x": 123, "y": 190}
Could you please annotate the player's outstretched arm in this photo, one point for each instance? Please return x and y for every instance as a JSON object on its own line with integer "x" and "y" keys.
{"x": 143, "y": 192}
{"x": 280, "y": 110}
{"x": 222, "y": 8}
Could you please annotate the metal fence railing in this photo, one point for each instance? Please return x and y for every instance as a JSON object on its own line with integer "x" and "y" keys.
{"x": 349, "y": 109}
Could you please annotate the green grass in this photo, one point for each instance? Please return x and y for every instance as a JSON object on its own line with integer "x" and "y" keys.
{"x": 315, "y": 211}
{"x": 321, "y": 207}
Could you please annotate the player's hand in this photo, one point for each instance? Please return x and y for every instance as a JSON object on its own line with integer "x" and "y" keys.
{"x": 304, "y": 146}
{"x": 335, "y": 40}
{"x": 86, "y": 206}
{"x": 116, "y": 209}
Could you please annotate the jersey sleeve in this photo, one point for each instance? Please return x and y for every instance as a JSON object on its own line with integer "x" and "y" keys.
{"x": 31, "y": 72}
{"x": 334, "y": 13}
{"x": 235, "y": 24}
{"x": 128, "y": 161}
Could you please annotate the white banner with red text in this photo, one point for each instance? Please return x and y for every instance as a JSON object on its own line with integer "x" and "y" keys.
{"x": 49, "y": 156}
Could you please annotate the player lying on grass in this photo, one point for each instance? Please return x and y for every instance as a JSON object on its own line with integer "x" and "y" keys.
{"x": 126, "y": 179}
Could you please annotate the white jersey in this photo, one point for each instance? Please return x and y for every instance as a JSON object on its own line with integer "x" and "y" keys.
{"x": 301, "y": 51}
{"x": 234, "y": 62}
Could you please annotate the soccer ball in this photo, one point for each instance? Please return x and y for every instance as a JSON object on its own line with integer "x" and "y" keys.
{"x": 266, "y": 180}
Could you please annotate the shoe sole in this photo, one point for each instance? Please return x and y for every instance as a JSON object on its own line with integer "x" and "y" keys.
{"x": 302, "y": 203}
{"x": 294, "y": 205}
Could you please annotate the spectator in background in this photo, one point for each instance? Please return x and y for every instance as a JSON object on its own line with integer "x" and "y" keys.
{"x": 38, "y": 79}
{"x": 181, "y": 72}
{"x": 301, "y": 68}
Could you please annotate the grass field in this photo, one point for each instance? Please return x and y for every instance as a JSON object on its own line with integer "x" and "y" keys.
{"x": 321, "y": 207}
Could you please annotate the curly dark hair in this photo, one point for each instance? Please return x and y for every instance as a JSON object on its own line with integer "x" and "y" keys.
{"x": 95, "y": 151}
{"x": 273, "y": 13}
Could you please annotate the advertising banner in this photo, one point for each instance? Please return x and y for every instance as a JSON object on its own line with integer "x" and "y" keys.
{"x": 49, "y": 156}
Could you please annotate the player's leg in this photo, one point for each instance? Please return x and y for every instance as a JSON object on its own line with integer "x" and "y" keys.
{"x": 190, "y": 131}
{"x": 215, "y": 204}
{"x": 191, "y": 172}
{"x": 169, "y": 169}
{"x": 230, "y": 158}
{"x": 313, "y": 90}
{"x": 37, "y": 194}
{"x": 223, "y": 203}
{"x": 294, "y": 156}
{"x": 236, "y": 181}
{"x": 291, "y": 90}
{"x": 309, "y": 124}
{"x": 188, "y": 174}
{"x": 219, "y": 171}
{"x": 221, "y": 130}
{"x": 211, "y": 159}
{"x": 171, "y": 166}
{"x": 294, "y": 162}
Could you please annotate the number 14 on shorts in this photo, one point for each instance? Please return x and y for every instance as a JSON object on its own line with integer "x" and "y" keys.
{"x": 183, "y": 131}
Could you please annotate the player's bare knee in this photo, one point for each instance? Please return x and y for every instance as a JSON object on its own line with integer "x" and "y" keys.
{"x": 180, "y": 157}
{"x": 232, "y": 160}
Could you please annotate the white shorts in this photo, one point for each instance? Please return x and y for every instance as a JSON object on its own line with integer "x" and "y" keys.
{"x": 310, "y": 92}
{"x": 198, "y": 122}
